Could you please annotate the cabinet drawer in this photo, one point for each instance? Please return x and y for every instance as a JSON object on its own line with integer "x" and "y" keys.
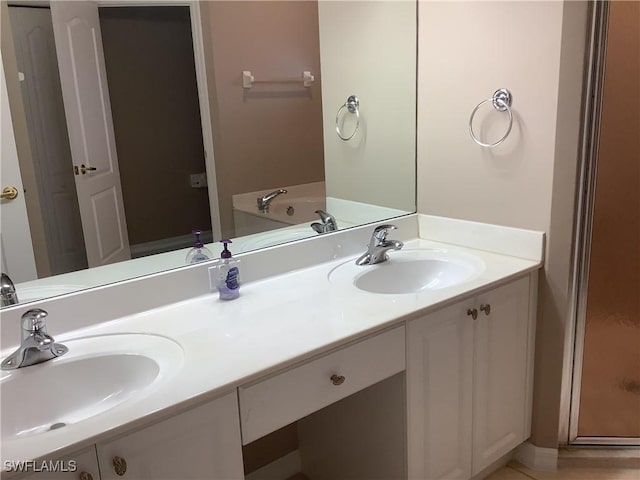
{"x": 284, "y": 398}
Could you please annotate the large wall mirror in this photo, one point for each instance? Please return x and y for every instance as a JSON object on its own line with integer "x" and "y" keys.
{"x": 137, "y": 123}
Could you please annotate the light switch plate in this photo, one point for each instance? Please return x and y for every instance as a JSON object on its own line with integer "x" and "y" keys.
{"x": 198, "y": 180}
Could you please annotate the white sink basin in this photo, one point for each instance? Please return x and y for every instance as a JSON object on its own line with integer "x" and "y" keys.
{"x": 97, "y": 374}
{"x": 410, "y": 271}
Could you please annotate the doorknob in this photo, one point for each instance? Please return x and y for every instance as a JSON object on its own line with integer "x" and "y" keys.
{"x": 9, "y": 193}
{"x": 83, "y": 169}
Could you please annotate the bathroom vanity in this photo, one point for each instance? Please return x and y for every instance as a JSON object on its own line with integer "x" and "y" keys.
{"x": 434, "y": 382}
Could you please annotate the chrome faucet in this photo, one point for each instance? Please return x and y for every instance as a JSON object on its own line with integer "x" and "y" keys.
{"x": 8, "y": 295}
{"x": 328, "y": 224}
{"x": 265, "y": 200}
{"x": 379, "y": 246}
{"x": 36, "y": 346}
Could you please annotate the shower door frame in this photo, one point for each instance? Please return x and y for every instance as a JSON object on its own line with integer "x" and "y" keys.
{"x": 572, "y": 372}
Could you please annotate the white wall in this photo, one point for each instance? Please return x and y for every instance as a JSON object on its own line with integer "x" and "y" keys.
{"x": 368, "y": 49}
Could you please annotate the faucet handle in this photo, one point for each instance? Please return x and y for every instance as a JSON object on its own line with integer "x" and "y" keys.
{"x": 327, "y": 219}
{"x": 380, "y": 232}
{"x": 34, "y": 320}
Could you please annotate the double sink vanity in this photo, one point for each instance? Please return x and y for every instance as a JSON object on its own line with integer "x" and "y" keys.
{"x": 417, "y": 367}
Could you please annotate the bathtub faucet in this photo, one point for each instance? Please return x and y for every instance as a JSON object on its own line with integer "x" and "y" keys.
{"x": 328, "y": 223}
{"x": 265, "y": 200}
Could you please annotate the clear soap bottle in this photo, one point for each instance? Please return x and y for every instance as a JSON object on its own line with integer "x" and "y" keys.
{"x": 228, "y": 274}
{"x": 199, "y": 253}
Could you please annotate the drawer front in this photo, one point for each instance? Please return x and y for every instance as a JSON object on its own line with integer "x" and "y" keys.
{"x": 277, "y": 401}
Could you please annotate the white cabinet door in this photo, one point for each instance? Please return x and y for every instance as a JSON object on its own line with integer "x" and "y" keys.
{"x": 439, "y": 384}
{"x": 79, "y": 466}
{"x": 203, "y": 443}
{"x": 469, "y": 382}
{"x": 500, "y": 372}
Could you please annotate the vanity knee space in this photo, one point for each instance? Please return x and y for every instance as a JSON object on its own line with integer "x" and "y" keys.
{"x": 345, "y": 411}
{"x": 272, "y": 403}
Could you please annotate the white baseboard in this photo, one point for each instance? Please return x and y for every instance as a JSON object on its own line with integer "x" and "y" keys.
{"x": 284, "y": 467}
{"x": 537, "y": 458}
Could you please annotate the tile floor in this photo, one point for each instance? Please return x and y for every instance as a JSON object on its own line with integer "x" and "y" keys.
{"x": 515, "y": 471}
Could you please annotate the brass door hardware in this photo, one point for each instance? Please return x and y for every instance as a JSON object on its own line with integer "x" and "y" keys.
{"x": 9, "y": 193}
{"x": 486, "y": 308}
{"x": 83, "y": 169}
{"x": 337, "y": 379}
{"x": 473, "y": 313}
{"x": 119, "y": 465}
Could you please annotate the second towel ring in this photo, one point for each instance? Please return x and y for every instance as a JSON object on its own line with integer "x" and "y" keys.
{"x": 501, "y": 101}
{"x": 353, "y": 106}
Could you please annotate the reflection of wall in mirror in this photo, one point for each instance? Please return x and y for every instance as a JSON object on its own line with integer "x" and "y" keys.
{"x": 156, "y": 116}
{"x": 270, "y": 135}
{"x": 373, "y": 58}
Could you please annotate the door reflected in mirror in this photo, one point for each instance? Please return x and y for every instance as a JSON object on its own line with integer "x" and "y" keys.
{"x": 145, "y": 123}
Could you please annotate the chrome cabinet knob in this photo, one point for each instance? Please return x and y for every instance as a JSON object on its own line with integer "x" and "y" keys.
{"x": 120, "y": 466}
{"x": 472, "y": 312}
{"x": 486, "y": 308}
{"x": 85, "y": 476}
{"x": 337, "y": 379}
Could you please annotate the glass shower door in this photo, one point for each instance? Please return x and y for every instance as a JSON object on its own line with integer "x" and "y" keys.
{"x": 610, "y": 387}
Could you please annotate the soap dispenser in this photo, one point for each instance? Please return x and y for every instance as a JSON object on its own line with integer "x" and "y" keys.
{"x": 228, "y": 277}
{"x": 199, "y": 253}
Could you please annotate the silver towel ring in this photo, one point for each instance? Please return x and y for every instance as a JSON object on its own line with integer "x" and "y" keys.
{"x": 501, "y": 101}
{"x": 353, "y": 106}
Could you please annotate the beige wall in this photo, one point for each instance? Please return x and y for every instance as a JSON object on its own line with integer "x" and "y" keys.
{"x": 156, "y": 122}
{"x": 467, "y": 50}
{"x": 368, "y": 49}
{"x": 271, "y": 135}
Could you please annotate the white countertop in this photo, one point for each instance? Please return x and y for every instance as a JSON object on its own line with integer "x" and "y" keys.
{"x": 275, "y": 323}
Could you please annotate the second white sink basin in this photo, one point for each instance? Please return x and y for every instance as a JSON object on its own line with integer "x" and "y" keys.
{"x": 97, "y": 374}
{"x": 410, "y": 271}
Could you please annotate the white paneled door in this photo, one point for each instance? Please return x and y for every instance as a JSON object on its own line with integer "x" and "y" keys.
{"x": 15, "y": 238}
{"x": 48, "y": 137}
{"x": 76, "y": 28}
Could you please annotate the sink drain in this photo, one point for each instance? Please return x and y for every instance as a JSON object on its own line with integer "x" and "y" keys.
{"x": 58, "y": 425}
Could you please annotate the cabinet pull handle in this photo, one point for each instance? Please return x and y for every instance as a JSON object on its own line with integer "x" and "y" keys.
{"x": 337, "y": 379}
{"x": 473, "y": 313}
{"x": 486, "y": 308}
{"x": 85, "y": 476}
{"x": 120, "y": 466}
